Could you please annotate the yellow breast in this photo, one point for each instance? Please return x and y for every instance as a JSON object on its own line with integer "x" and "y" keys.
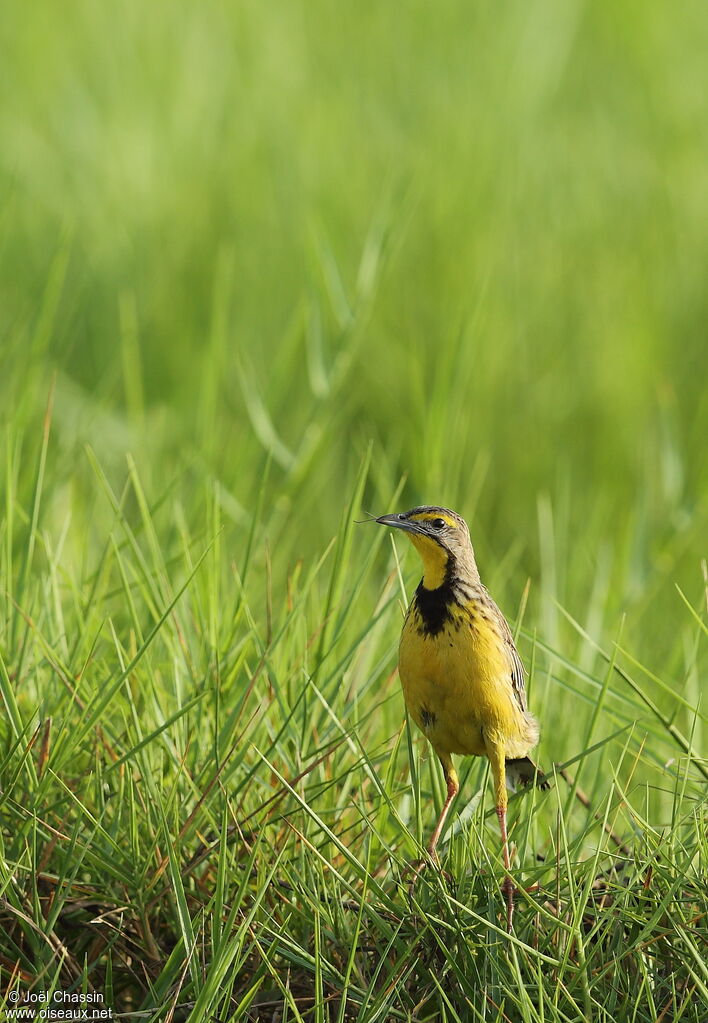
{"x": 457, "y": 682}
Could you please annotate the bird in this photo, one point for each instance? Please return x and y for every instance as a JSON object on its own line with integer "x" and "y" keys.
{"x": 461, "y": 674}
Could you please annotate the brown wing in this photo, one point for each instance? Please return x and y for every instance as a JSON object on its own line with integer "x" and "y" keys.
{"x": 517, "y": 668}
{"x": 515, "y": 663}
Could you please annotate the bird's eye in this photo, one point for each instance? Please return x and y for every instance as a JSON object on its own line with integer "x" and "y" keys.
{"x": 438, "y": 523}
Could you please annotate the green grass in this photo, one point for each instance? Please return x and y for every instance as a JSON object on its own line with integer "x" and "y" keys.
{"x": 265, "y": 267}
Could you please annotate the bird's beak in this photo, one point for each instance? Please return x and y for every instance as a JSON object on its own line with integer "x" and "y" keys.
{"x": 397, "y": 522}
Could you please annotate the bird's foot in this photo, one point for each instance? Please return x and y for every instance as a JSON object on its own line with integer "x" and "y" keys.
{"x": 510, "y": 889}
{"x": 416, "y": 868}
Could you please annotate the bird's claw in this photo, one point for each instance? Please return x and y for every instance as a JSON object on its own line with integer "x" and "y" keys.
{"x": 416, "y": 868}
{"x": 510, "y": 889}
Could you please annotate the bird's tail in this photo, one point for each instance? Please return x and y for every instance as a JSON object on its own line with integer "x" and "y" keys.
{"x": 522, "y": 772}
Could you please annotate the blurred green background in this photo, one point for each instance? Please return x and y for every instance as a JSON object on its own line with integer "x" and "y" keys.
{"x": 244, "y": 248}
{"x": 471, "y": 235}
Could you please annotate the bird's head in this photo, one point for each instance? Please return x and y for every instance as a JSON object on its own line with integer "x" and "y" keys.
{"x": 442, "y": 539}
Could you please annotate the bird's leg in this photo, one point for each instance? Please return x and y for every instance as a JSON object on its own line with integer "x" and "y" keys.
{"x": 498, "y": 765}
{"x": 453, "y": 787}
{"x": 508, "y": 886}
